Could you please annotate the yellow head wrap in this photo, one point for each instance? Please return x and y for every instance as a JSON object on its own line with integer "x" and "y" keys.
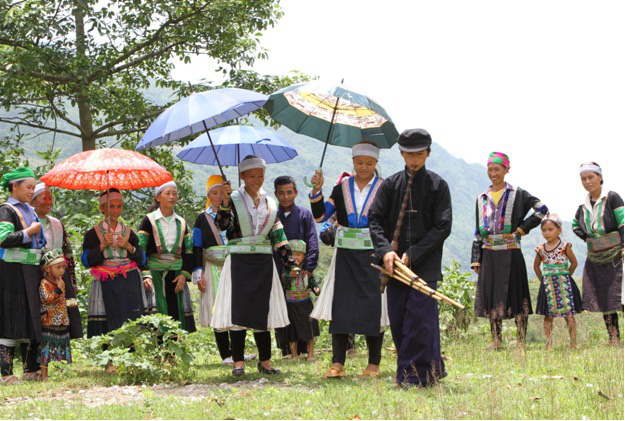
{"x": 213, "y": 181}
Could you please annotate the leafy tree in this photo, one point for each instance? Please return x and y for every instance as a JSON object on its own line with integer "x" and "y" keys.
{"x": 99, "y": 58}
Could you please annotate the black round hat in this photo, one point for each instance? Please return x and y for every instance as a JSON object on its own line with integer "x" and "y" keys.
{"x": 414, "y": 140}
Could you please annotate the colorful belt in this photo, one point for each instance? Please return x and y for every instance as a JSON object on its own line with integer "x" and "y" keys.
{"x": 249, "y": 245}
{"x": 20, "y": 255}
{"x": 353, "y": 238}
{"x": 555, "y": 269}
{"x": 502, "y": 242}
{"x": 604, "y": 242}
{"x": 297, "y": 295}
{"x": 215, "y": 255}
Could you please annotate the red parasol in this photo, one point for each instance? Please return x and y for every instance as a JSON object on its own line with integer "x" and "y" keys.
{"x": 107, "y": 168}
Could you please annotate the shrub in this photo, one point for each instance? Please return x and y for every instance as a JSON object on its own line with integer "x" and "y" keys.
{"x": 151, "y": 348}
{"x": 459, "y": 287}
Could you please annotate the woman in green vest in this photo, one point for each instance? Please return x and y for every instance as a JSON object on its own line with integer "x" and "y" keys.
{"x": 21, "y": 243}
{"x": 168, "y": 244}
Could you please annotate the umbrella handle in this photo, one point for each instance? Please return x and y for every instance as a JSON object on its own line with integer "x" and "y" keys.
{"x": 307, "y": 183}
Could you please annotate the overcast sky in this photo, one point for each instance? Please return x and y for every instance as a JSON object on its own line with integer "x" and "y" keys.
{"x": 543, "y": 81}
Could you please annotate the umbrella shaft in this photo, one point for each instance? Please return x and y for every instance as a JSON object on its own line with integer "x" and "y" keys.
{"x": 336, "y": 106}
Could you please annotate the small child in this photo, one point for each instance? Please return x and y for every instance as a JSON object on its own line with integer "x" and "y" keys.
{"x": 54, "y": 316}
{"x": 558, "y": 295}
{"x": 299, "y": 305}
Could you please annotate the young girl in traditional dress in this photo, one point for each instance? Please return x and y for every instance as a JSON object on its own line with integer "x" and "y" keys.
{"x": 55, "y": 340}
{"x": 299, "y": 305}
{"x": 112, "y": 252}
{"x": 168, "y": 245}
{"x": 209, "y": 253}
{"x": 350, "y": 298}
{"x": 250, "y": 295}
{"x": 558, "y": 295}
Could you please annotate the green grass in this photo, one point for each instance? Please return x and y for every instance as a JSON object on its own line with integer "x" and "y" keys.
{"x": 509, "y": 384}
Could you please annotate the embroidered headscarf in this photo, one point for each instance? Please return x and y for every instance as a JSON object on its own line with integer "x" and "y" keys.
{"x": 212, "y": 182}
{"x": 499, "y": 158}
{"x": 553, "y": 217}
{"x": 298, "y": 246}
{"x": 110, "y": 195}
{"x": 52, "y": 257}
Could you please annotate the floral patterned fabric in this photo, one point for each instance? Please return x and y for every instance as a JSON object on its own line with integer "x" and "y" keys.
{"x": 53, "y": 305}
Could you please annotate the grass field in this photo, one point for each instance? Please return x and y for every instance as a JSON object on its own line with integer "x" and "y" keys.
{"x": 509, "y": 384}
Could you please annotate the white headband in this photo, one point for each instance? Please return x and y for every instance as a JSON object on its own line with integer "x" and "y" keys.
{"x": 40, "y": 188}
{"x": 212, "y": 187}
{"x": 159, "y": 189}
{"x": 590, "y": 167}
{"x": 111, "y": 196}
{"x": 252, "y": 163}
{"x": 20, "y": 179}
{"x": 366, "y": 149}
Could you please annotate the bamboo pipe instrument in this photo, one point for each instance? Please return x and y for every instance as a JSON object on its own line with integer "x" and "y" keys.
{"x": 405, "y": 280}
{"x": 415, "y": 278}
{"x": 418, "y": 284}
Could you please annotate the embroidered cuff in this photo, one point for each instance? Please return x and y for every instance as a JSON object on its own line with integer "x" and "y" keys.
{"x": 475, "y": 265}
{"x": 186, "y": 275}
{"x": 316, "y": 198}
{"x": 225, "y": 209}
{"x": 146, "y": 274}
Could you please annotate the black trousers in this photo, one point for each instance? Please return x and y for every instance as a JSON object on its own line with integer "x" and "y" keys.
{"x": 29, "y": 351}
{"x": 263, "y": 343}
{"x": 340, "y": 343}
{"x": 223, "y": 344}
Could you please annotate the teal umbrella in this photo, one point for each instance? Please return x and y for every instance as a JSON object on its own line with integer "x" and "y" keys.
{"x": 332, "y": 114}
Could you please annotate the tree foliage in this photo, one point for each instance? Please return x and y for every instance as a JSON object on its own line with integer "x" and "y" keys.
{"x": 99, "y": 58}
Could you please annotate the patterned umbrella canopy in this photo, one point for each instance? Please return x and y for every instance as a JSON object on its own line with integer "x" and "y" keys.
{"x": 102, "y": 169}
{"x": 332, "y": 114}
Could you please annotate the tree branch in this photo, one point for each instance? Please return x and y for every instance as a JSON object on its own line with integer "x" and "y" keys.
{"x": 120, "y": 132}
{"x": 37, "y": 126}
{"x": 117, "y": 122}
{"x": 151, "y": 40}
{"x": 63, "y": 116}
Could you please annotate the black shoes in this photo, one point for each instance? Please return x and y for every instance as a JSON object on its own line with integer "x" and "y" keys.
{"x": 263, "y": 370}
{"x": 238, "y": 371}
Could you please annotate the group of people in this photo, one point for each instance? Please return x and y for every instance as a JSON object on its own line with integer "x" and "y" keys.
{"x": 253, "y": 261}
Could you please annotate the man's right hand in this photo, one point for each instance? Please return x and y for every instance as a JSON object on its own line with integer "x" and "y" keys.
{"x": 389, "y": 260}
{"x": 476, "y": 269}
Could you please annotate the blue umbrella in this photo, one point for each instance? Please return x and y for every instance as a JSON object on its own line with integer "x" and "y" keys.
{"x": 199, "y": 112}
{"x": 233, "y": 143}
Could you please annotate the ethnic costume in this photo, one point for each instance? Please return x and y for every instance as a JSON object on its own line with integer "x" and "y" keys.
{"x": 169, "y": 249}
{"x": 299, "y": 303}
{"x": 250, "y": 295}
{"x": 427, "y": 223}
{"x": 57, "y": 239}
{"x": 600, "y": 225}
{"x": 209, "y": 255}
{"x": 350, "y": 298}
{"x": 558, "y": 295}
{"x": 298, "y": 224}
{"x": 20, "y": 274}
{"x": 502, "y": 286}
{"x": 117, "y": 294}
{"x": 55, "y": 321}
